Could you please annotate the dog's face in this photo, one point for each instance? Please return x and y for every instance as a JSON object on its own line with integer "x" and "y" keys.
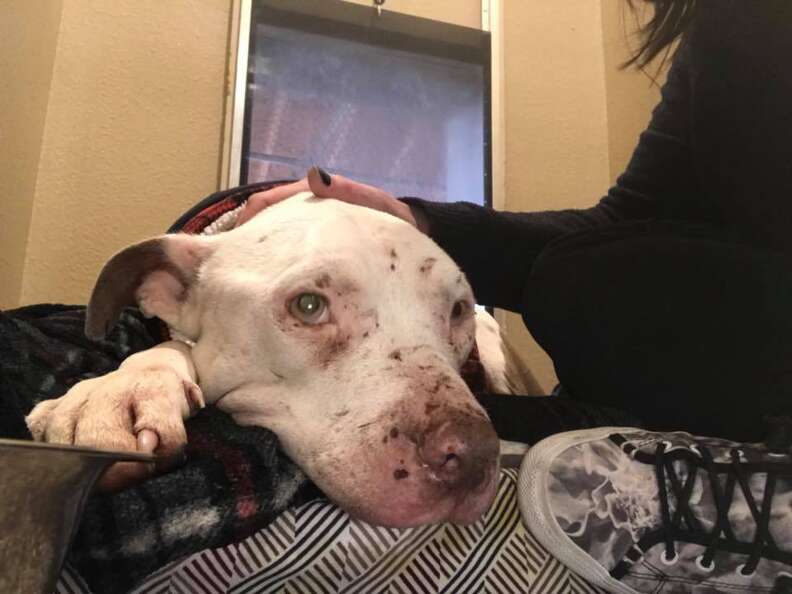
{"x": 342, "y": 329}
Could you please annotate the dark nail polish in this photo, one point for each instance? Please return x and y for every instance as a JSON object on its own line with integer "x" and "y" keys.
{"x": 325, "y": 177}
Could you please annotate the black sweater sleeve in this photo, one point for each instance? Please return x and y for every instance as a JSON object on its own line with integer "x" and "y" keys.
{"x": 496, "y": 250}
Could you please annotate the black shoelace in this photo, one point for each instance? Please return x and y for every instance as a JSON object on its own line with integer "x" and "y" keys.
{"x": 683, "y": 525}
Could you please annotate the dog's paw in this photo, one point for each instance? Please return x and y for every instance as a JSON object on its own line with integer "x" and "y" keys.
{"x": 140, "y": 410}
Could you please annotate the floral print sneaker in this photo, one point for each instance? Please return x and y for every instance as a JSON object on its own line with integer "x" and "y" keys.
{"x": 635, "y": 511}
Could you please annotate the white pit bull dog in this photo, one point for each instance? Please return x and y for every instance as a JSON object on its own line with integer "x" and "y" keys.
{"x": 340, "y": 328}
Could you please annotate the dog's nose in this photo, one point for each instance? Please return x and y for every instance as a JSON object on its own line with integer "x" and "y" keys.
{"x": 460, "y": 452}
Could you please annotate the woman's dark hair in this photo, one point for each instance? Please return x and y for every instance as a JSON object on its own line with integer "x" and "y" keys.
{"x": 671, "y": 19}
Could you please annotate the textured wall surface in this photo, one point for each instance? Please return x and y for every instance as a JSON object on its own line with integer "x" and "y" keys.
{"x": 28, "y": 36}
{"x": 132, "y": 136}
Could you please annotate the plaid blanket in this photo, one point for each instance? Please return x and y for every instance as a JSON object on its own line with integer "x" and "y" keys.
{"x": 317, "y": 548}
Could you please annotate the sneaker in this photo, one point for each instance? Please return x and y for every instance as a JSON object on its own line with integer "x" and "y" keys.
{"x": 635, "y": 511}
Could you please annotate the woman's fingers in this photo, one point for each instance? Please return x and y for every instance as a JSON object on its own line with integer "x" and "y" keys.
{"x": 324, "y": 185}
{"x": 261, "y": 200}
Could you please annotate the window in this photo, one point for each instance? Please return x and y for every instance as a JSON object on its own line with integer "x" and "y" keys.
{"x": 392, "y": 100}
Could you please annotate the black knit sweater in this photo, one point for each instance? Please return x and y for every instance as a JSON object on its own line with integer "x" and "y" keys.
{"x": 718, "y": 150}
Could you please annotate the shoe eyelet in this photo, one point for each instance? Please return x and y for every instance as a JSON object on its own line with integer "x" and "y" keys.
{"x": 741, "y": 455}
{"x": 694, "y": 448}
{"x": 629, "y": 449}
{"x": 702, "y": 567}
{"x": 666, "y": 561}
{"x": 668, "y": 445}
{"x": 741, "y": 571}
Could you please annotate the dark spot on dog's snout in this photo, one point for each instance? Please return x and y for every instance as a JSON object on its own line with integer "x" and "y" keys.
{"x": 430, "y": 408}
{"x": 393, "y": 256}
{"x": 427, "y": 265}
{"x": 365, "y": 334}
{"x": 444, "y": 381}
{"x": 395, "y": 355}
{"x": 400, "y": 474}
{"x": 394, "y": 432}
{"x": 262, "y": 239}
{"x": 336, "y": 347}
{"x": 458, "y": 309}
{"x": 323, "y": 281}
{"x": 341, "y": 413}
{"x": 331, "y": 345}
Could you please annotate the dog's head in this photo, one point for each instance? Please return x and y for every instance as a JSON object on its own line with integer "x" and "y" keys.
{"x": 340, "y": 328}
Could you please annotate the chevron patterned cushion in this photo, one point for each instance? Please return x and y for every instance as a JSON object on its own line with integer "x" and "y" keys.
{"x": 317, "y": 548}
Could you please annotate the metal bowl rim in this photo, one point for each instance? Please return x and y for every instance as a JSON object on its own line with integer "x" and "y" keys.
{"x": 60, "y": 447}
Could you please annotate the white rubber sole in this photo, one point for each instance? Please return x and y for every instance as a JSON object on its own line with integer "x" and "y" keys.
{"x": 534, "y": 501}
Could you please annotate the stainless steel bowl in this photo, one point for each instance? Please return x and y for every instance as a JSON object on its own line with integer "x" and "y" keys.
{"x": 43, "y": 488}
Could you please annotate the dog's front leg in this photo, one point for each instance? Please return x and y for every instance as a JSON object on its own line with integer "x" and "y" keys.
{"x": 139, "y": 407}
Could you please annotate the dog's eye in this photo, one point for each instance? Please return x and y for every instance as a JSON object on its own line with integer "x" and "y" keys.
{"x": 459, "y": 310}
{"x": 309, "y": 308}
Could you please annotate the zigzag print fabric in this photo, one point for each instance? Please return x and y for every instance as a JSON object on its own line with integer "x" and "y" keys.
{"x": 316, "y": 549}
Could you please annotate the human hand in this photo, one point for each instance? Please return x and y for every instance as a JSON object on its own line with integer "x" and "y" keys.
{"x": 324, "y": 185}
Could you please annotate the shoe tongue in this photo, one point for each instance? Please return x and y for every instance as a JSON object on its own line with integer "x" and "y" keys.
{"x": 702, "y": 498}
{"x": 742, "y": 520}
{"x": 606, "y": 500}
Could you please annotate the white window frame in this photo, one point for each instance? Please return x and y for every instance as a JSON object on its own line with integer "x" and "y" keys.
{"x": 235, "y": 94}
{"x": 492, "y": 21}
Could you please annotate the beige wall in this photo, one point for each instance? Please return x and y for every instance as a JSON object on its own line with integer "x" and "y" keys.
{"x": 458, "y": 12}
{"x": 135, "y": 116}
{"x": 631, "y": 94}
{"x": 572, "y": 117}
{"x": 132, "y": 135}
{"x": 28, "y": 36}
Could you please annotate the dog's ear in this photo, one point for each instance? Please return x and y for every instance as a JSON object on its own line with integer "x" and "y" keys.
{"x": 156, "y": 274}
